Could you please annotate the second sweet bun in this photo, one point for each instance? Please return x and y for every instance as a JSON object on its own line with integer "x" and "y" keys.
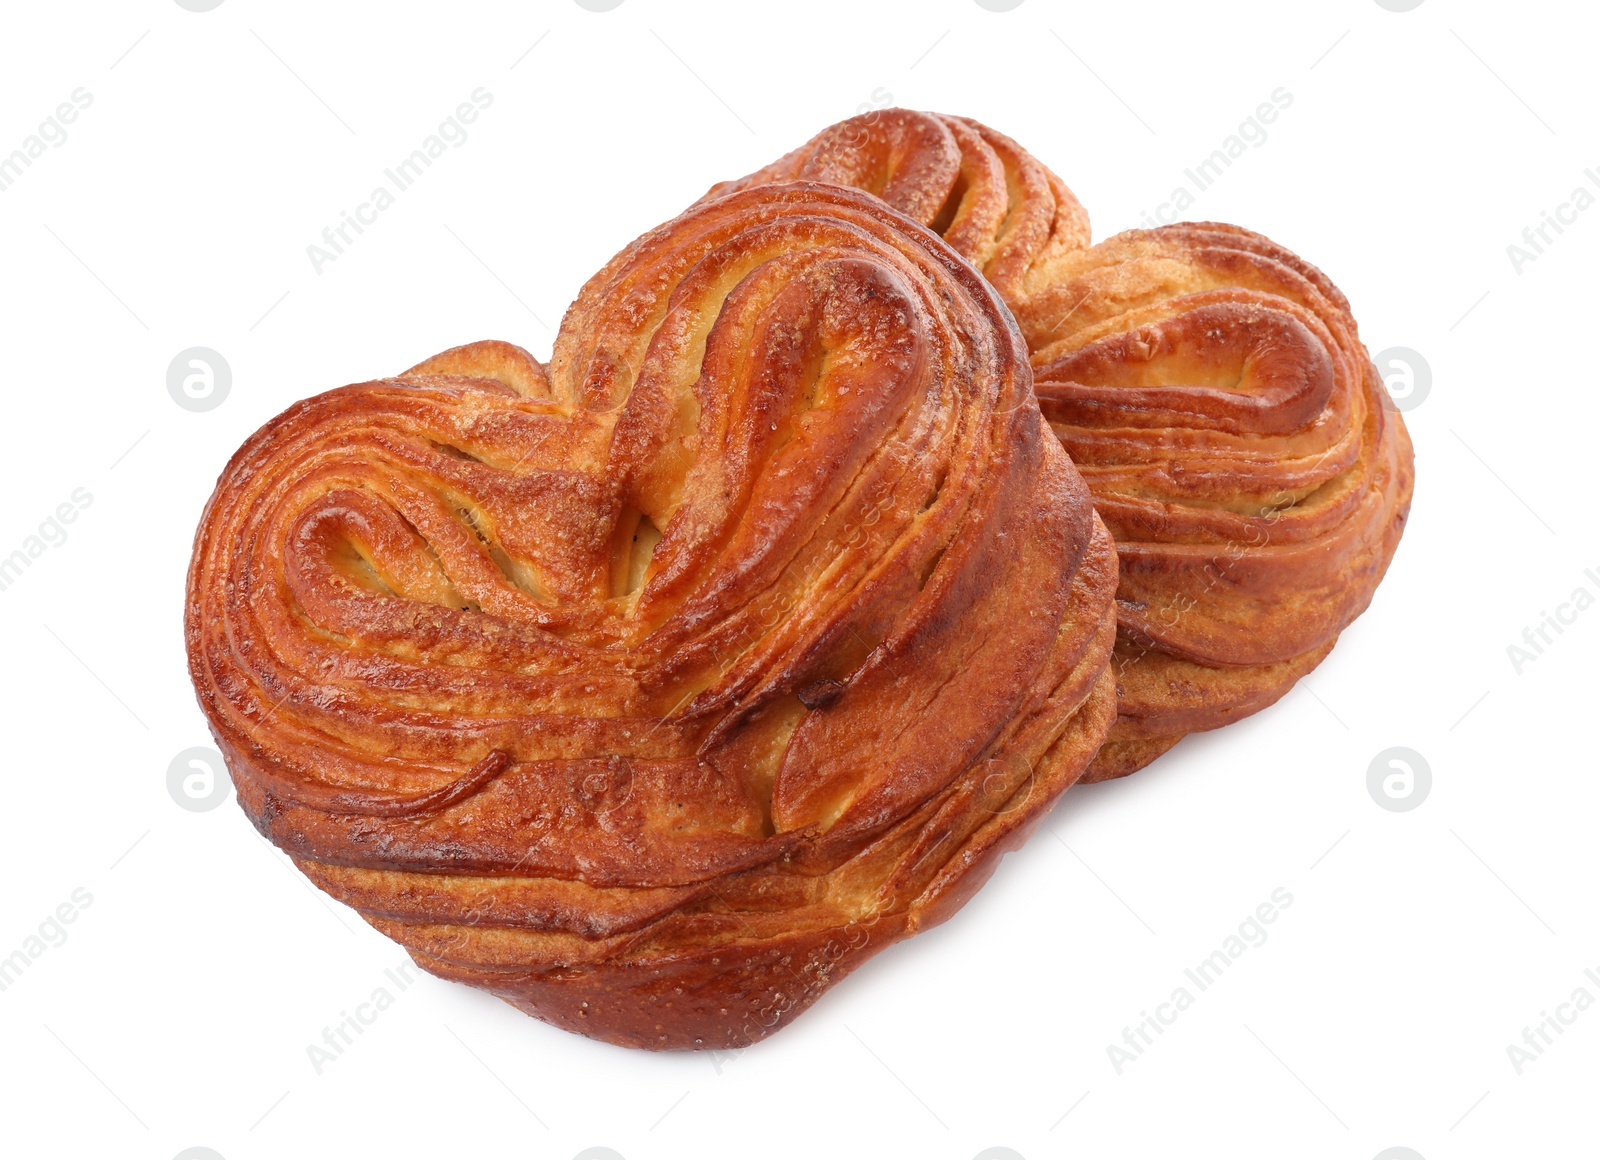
{"x": 1214, "y": 391}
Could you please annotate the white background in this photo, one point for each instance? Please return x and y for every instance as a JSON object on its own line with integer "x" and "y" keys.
{"x": 1419, "y": 945}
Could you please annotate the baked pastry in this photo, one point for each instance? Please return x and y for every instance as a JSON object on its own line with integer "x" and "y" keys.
{"x": 1213, "y": 390}
{"x": 656, "y": 689}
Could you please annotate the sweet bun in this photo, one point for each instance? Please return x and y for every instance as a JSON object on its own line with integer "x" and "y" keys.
{"x": 655, "y": 689}
{"x": 1212, "y": 388}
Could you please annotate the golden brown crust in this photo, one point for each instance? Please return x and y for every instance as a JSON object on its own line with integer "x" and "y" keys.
{"x": 1213, "y": 390}
{"x": 656, "y": 689}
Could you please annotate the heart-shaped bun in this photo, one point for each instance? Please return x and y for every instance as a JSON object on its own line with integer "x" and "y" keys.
{"x": 655, "y": 690}
{"x": 1213, "y": 390}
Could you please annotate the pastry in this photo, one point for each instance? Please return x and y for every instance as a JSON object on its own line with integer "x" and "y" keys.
{"x": 655, "y": 689}
{"x": 1213, "y": 390}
